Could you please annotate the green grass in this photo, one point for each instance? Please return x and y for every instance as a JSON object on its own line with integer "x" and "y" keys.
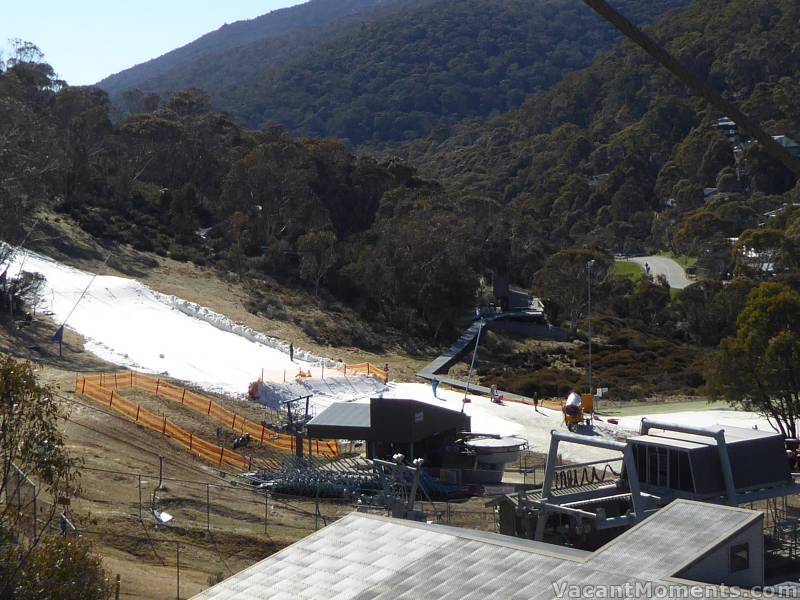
{"x": 682, "y": 259}
{"x": 631, "y": 270}
{"x": 663, "y": 408}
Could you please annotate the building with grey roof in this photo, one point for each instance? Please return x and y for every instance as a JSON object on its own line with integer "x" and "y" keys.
{"x": 368, "y": 557}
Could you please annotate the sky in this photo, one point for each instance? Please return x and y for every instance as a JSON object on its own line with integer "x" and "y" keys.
{"x": 87, "y": 40}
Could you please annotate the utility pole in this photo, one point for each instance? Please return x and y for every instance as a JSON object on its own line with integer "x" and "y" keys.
{"x": 589, "y": 266}
{"x": 481, "y": 323}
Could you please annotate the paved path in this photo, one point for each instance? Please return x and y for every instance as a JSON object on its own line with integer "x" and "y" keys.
{"x": 661, "y": 265}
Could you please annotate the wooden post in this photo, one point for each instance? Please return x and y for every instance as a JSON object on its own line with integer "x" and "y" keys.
{"x": 183, "y": 395}
{"x": 191, "y": 437}
{"x": 131, "y": 378}
{"x": 263, "y": 430}
{"x": 209, "y": 408}
{"x": 160, "y": 471}
{"x": 158, "y": 383}
{"x": 233, "y": 424}
{"x": 138, "y": 408}
{"x": 111, "y": 400}
{"x": 83, "y": 388}
{"x": 164, "y": 430}
{"x": 221, "y": 452}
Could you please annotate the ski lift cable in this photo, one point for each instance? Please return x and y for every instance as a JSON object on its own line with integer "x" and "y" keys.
{"x": 105, "y": 262}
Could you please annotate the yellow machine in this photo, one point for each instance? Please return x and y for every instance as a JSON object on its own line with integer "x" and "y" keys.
{"x": 576, "y": 409}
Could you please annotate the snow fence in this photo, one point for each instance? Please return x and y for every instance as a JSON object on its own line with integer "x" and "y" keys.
{"x": 105, "y": 389}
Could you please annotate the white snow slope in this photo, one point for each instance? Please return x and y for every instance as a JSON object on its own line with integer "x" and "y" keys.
{"x": 131, "y": 325}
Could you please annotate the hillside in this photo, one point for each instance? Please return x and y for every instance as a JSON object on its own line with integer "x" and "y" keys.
{"x": 278, "y": 23}
{"x": 412, "y": 68}
{"x": 619, "y": 149}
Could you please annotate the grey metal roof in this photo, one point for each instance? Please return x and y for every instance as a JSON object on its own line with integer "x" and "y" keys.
{"x": 676, "y": 439}
{"x": 672, "y": 537}
{"x": 364, "y": 557}
{"x": 343, "y": 414}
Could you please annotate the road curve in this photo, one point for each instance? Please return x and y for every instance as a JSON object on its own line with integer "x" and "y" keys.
{"x": 661, "y": 265}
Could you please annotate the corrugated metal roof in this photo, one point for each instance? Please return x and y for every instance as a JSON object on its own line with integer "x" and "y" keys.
{"x": 364, "y": 557}
{"x": 343, "y": 414}
{"x": 666, "y": 541}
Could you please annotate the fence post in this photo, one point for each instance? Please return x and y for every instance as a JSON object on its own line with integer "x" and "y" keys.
{"x": 368, "y": 373}
{"x": 221, "y": 451}
{"x": 178, "y": 567}
{"x": 160, "y": 471}
{"x": 35, "y": 512}
{"x": 140, "y": 499}
{"x": 263, "y": 430}
{"x": 209, "y": 408}
{"x": 138, "y": 408}
{"x": 208, "y": 507}
{"x": 191, "y": 437}
{"x": 164, "y": 430}
{"x": 233, "y": 424}
{"x": 111, "y": 401}
{"x": 131, "y": 378}
{"x": 115, "y": 380}
{"x": 183, "y": 395}
{"x": 83, "y": 387}
{"x": 158, "y": 383}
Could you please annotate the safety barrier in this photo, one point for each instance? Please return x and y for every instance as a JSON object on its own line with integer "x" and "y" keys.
{"x": 197, "y": 402}
{"x": 320, "y": 372}
{"x": 114, "y": 400}
{"x": 368, "y": 369}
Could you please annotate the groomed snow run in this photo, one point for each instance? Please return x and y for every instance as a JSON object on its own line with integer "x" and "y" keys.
{"x": 131, "y": 325}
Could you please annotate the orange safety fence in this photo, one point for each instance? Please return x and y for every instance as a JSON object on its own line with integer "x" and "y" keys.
{"x": 113, "y": 399}
{"x": 368, "y": 369}
{"x": 287, "y": 375}
{"x": 206, "y": 406}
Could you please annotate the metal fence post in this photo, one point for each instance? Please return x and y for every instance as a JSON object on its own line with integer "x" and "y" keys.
{"x": 266, "y": 510}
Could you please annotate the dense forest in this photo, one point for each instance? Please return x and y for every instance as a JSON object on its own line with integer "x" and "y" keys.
{"x": 616, "y": 158}
{"x": 415, "y": 67}
{"x": 187, "y": 182}
{"x": 285, "y": 23}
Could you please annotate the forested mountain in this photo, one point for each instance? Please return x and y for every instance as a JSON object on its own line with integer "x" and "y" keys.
{"x": 278, "y": 23}
{"x": 617, "y": 155}
{"x": 412, "y": 68}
